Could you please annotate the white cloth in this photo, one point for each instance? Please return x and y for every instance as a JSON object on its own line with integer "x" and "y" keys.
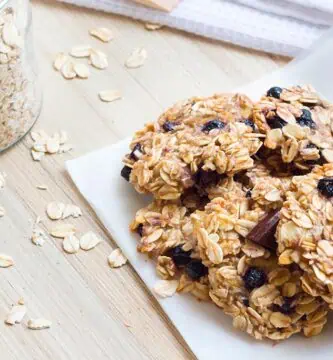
{"x": 228, "y": 21}
{"x": 312, "y": 13}
{"x": 204, "y": 327}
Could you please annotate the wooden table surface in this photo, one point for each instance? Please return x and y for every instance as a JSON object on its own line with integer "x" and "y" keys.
{"x": 97, "y": 312}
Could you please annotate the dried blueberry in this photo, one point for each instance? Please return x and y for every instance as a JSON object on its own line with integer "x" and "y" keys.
{"x": 276, "y": 122}
{"x": 311, "y": 146}
{"x": 306, "y": 119}
{"x": 136, "y": 152}
{"x": 274, "y": 92}
{"x": 248, "y": 194}
{"x": 246, "y": 302}
{"x": 254, "y": 278}
{"x": 213, "y": 124}
{"x": 203, "y": 179}
{"x": 179, "y": 256}
{"x": 126, "y": 172}
{"x": 325, "y": 186}
{"x": 250, "y": 123}
{"x": 196, "y": 269}
{"x": 139, "y": 230}
{"x": 169, "y": 126}
{"x": 286, "y": 308}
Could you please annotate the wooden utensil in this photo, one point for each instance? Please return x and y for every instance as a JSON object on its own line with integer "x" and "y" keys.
{"x": 165, "y": 5}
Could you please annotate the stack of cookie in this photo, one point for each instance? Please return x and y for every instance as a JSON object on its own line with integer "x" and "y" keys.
{"x": 243, "y": 206}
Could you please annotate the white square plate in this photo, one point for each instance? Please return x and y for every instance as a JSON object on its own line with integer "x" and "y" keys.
{"x": 205, "y": 328}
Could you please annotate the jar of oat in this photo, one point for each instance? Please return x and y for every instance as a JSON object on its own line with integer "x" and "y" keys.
{"x": 20, "y": 99}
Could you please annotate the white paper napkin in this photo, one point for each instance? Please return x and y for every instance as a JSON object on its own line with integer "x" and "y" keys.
{"x": 223, "y": 20}
{"x": 205, "y": 328}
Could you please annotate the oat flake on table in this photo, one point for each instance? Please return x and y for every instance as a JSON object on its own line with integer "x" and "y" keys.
{"x": 6, "y": 261}
{"x": 60, "y": 60}
{"x": 98, "y": 59}
{"x": 109, "y": 95}
{"x": 137, "y": 58}
{"x": 81, "y": 51}
{"x": 102, "y": 33}
{"x": 71, "y": 244}
{"x": 16, "y": 315}
{"x": 89, "y": 240}
{"x": 62, "y": 230}
{"x": 55, "y": 210}
{"x": 39, "y": 324}
{"x": 38, "y": 236}
{"x": 117, "y": 259}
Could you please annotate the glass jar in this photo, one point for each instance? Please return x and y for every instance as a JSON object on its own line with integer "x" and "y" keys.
{"x": 20, "y": 98}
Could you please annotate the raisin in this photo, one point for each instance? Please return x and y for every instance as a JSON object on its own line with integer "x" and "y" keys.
{"x": 126, "y": 172}
{"x": 250, "y": 123}
{"x": 139, "y": 230}
{"x": 306, "y": 119}
{"x": 195, "y": 269}
{"x": 276, "y": 122}
{"x": 274, "y": 92}
{"x": 325, "y": 186}
{"x": 254, "y": 278}
{"x": 213, "y": 124}
{"x": 136, "y": 152}
{"x": 179, "y": 256}
{"x": 169, "y": 126}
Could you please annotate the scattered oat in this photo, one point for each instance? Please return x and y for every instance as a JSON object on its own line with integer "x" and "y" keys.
{"x": 71, "y": 210}
{"x": 82, "y": 71}
{"x": 71, "y": 244}
{"x": 109, "y": 95}
{"x": 62, "y": 230}
{"x": 16, "y": 314}
{"x": 36, "y": 155}
{"x": 2, "y": 211}
{"x": 67, "y": 70}
{"x": 60, "y": 61}
{"x": 89, "y": 240}
{"x": 55, "y": 210}
{"x": 21, "y": 301}
{"x": 42, "y": 187}
{"x": 117, "y": 259}
{"x": 81, "y": 51}
{"x": 137, "y": 58}
{"x": 52, "y": 145}
{"x": 38, "y": 236}
{"x": 103, "y": 34}
{"x": 6, "y": 261}
{"x": 166, "y": 288}
{"x": 39, "y": 324}
{"x": 98, "y": 59}
{"x": 153, "y": 27}
{"x": 45, "y": 144}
